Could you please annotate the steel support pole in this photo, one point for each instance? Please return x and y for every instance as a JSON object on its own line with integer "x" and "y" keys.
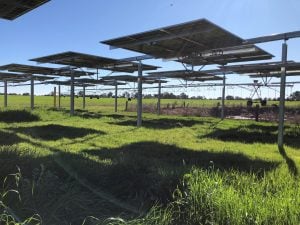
{"x": 72, "y": 95}
{"x": 59, "y": 94}
{"x": 140, "y": 95}
{"x": 54, "y": 97}
{"x": 282, "y": 97}
{"x": 223, "y": 98}
{"x": 83, "y": 98}
{"x": 116, "y": 97}
{"x": 5, "y": 93}
{"x": 32, "y": 93}
{"x": 158, "y": 98}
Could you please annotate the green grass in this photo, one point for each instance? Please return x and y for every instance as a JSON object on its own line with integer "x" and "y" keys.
{"x": 92, "y": 104}
{"x": 173, "y": 170}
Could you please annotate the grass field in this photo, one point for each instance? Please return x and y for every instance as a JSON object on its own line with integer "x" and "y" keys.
{"x": 98, "y": 168}
{"x": 48, "y": 101}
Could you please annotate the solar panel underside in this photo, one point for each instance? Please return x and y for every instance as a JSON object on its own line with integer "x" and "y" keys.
{"x": 92, "y": 61}
{"x": 184, "y": 42}
{"x": 12, "y": 9}
{"x": 20, "y": 68}
{"x": 187, "y": 75}
{"x": 263, "y": 69}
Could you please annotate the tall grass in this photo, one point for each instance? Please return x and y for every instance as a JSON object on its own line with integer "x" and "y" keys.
{"x": 214, "y": 197}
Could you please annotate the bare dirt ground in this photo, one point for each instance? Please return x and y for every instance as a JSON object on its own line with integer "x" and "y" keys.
{"x": 267, "y": 113}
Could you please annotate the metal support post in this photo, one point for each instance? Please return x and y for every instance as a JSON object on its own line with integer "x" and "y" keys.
{"x": 116, "y": 96}
{"x": 83, "y": 98}
{"x": 59, "y": 94}
{"x": 72, "y": 95}
{"x": 140, "y": 95}
{"x": 54, "y": 97}
{"x": 158, "y": 98}
{"x": 223, "y": 98}
{"x": 32, "y": 93}
{"x": 282, "y": 96}
{"x": 5, "y": 93}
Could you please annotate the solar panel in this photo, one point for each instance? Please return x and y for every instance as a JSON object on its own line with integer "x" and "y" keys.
{"x": 100, "y": 82}
{"x": 42, "y": 78}
{"x": 224, "y": 56}
{"x": 12, "y": 9}
{"x": 125, "y": 78}
{"x": 186, "y": 41}
{"x": 205, "y": 75}
{"x": 20, "y": 68}
{"x": 263, "y": 69}
{"x": 129, "y": 78}
{"x": 10, "y": 76}
{"x": 18, "y": 78}
{"x": 68, "y": 83}
{"x": 92, "y": 61}
{"x": 275, "y": 74}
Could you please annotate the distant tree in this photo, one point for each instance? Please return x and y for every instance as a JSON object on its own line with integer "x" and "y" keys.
{"x": 238, "y": 98}
{"x": 168, "y": 95}
{"x": 229, "y": 97}
{"x": 109, "y": 94}
{"x": 126, "y": 94}
{"x": 183, "y": 96}
{"x": 148, "y": 96}
{"x": 25, "y": 94}
{"x": 295, "y": 96}
{"x": 80, "y": 93}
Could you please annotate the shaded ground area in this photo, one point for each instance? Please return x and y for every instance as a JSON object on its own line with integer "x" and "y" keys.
{"x": 148, "y": 172}
{"x": 56, "y": 132}
{"x": 256, "y": 134}
{"x": 163, "y": 123}
{"x": 8, "y": 138}
{"x": 86, "y": 114}
{"x": 16, "y": 116}
{"x": 45, "y": 189}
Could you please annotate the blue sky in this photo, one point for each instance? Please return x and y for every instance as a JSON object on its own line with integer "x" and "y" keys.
{"x": 79, "y": 25}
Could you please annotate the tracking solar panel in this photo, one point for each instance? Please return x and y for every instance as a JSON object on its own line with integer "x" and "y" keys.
{"x": 186, "y": 42}
{"x": 12, "y": 9}
{"x": 92, "y": 61}
{"x": 21, "y": 68}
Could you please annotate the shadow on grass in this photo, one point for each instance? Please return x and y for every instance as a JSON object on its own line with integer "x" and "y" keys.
{"x": 11, "y": 158}
{"x": 17, "y": 116}
{"x": 148, "y": 172}
{"x": 8, "y": 138}
{"x": 92, "y": 115}
{"x": 47, "y": 190}
{"x": 163, "y": 123}
{"x": 290, "y": 162}
{"x": 55, "y": 132}
{"x": 256, "y": 134}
